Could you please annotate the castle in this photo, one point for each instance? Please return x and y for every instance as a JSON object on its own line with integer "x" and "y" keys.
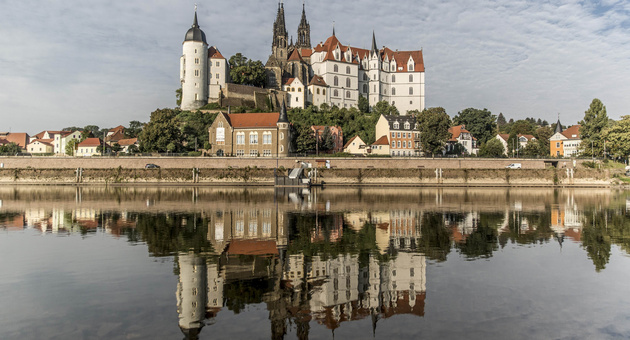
{"x": 330, "y": 72}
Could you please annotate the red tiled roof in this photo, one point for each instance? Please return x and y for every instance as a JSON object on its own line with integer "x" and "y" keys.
{"x": 214, "y": 53}
{"x": 306, "y": 52}
{"x": 318, "y": 80}
{"x": 43, "y": 141}
{"x": 4, "y": 141}
{"x": 252, "y": 247}
{"x": 570, "y": 132}
{"x": 289, "y": 81}
{"x": 20, "y": 138}
{"x": 116, "y": 129}
{"x": 504, "y": 136}
{"x": 253, "y": 120}
{"x": 126, "y": 142}
{"x": 295, "y": 56}
{"x": 382, "y": 141}
{"x": 91, "y": 142}
{"x": 456, "y": 131}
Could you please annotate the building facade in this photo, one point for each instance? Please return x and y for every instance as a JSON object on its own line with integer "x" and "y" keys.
{"x": 460, "y": 135}
{"x": 402, "y": 133}
{"x": 565, "y": 143}
{"x": 251, "y": 134}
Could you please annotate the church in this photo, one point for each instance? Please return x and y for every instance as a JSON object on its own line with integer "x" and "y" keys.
{"x": 330, "y": 72}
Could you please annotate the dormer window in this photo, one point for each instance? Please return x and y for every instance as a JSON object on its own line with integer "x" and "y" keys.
{"x": 410, "y": 67}
{"x": 407, "y": 125}
{"x": 396, "y": 125}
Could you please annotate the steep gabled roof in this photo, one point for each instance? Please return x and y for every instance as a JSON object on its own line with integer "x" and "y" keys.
{"x": 289, "y": 81}
{"x": 382, "y": 141}
{"x": 213, "y": 53}
{"x": 295, "y": 56}
{"x": 128, "y": 141}
{"x": 91, "y": 142}
{"x": 456, "y": 131}
{"x": 43, "y": 141}
{"x": 19, "y": 138}
{"x": 573, "y": 132}
{"x": 253, "y": 120}
{"x": 318, "y": 80}
{"x": 401, "y": 121}
{"x": 352, "y": 140}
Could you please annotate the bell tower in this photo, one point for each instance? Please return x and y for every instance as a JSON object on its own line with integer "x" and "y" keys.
{"x": 304, "y": 32}
{"x": 279, "y": 46}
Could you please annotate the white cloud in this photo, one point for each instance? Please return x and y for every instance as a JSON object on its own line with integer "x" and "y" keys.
{"x": 104, "y": 63}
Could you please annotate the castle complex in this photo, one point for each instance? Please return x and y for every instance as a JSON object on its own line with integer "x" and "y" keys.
{"x": 329, "y": 72}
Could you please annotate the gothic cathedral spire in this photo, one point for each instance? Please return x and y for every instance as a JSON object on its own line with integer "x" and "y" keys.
{"x": 280, "y": 35}
{"x": 304, "y": 31}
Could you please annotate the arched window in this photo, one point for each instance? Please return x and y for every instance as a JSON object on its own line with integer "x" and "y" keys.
{"x": 393, "y": 78}
{"x": 365, "y": 88}
{"x": 410, "y": 90}
{"x": 335, "y": 68}
{"x": 336, "y": 93}
{"x": 384, "y": 91}
{"x": 393, "y": 91}
{"x": 317, "y": 91}
{"x": 348, "y": 82}
{"x": 410, "y": 67}
{"x": 299, "y": 89}
{"x": 407, "y": 126}
{"x": 347, "y": 94}
{"x": 411, "y": 78}
{"x": 347, "y": 69}
{"x": 336, "y": 80}
{"x": 365, "y": 77}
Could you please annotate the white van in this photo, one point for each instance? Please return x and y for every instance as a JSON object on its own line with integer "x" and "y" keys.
{"x": 514, "y": 166}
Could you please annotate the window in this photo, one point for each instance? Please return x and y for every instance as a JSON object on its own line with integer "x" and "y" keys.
{"x": 335, "y": 68}
{"x": 404, "y": 145}
{"x": 347, "y": 94}
{"x": 253, "y": 138}
{"x": 196, "y": 61}
{"x": 240, "y": 152}
{"x": 196, "y": 96}
{"x": 240, "y": 138}
{"x": 253, "y": 153}
{"x": 347, "y": 69}
{"x": 399, "y": 144}
{"x": 216, "y": 76}
{"x": 393, "y": 80}
{"x": 411, "y": 78}
{"x": 393, "y": 144}
{"x": 281, "y": 135}
{"x": 317, "y": 91}
{"x": 253, "y": 228}
{"x": 374, "y": 88}
{"x": 266, "y": 153}
{"x": 410, "y": 90}
{"x": 266, "y": 137}
{"x": 396, "y": 126}
{"x": 365, "y": 77}
{"x": 410, "y": 67}
{"x": 404, "y": 135}
{"x": 220, "y": 124}
{"x": 393, "y": 91}
{"x": 393, "y": 134}
{"x": 324, "y": 92}
{"x": 557, "y": 144}
{"x": 384, "y": 91}
{"x": 348, "y": 82}
{"x": 335, "y": 93}
{"x": 407, "y": 125}
{"x": 196, "y": 73}
{"x": 398, "y": 134}
{"x": 365, "y": 88}
{"x": 299, "y": 89}
{"x": 375, "y": 77}
{"x": 336, "y": 81}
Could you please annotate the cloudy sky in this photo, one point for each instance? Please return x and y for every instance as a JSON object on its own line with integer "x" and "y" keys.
{"x": 102, "y": 62}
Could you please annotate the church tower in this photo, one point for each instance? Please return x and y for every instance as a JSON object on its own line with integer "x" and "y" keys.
{"x": 279, "y": 47}
{"x": 304, "y": 32}
{"x": 374, "y": 66}
{"x": 193, "y": 70}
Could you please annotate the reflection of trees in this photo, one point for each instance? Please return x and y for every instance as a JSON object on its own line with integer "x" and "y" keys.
{"x": 240, "y": 293}
{"x": 169, "y": 233}
{"x": 527, "y": 228}
{"x": 595, "y": 238}
{"x": 481, "y": 242}
{"x": 435, "y": 242}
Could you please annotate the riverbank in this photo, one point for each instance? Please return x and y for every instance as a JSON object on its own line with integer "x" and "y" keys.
{"x": 547, "y": 177}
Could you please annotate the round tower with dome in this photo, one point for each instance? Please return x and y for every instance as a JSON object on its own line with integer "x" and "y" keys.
{"x": 193, "y": 70}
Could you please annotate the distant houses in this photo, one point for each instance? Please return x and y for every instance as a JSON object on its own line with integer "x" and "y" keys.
{"x": 522, "y": 139}
{"x": 459, "y": 135}
{"x": 565, "y": 143}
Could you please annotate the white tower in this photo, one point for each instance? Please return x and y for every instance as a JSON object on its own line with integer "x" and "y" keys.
{"x": 374, "y": 67}
{"x": 193, "y": 69}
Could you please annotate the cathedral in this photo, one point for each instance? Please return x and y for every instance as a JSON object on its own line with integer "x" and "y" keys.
{"x": 329, "y": 73}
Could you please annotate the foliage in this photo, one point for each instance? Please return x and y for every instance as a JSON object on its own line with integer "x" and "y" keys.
{"x": 304, "y": 139}
{"x": 326, "y": 140}
{"x": 363, "y": 104}
{"x": 71, "y": 146}
{"x": 132, "y": 149}
{"x": 512, "y": 144}
{"x": 194, "y": 128}
{"x": 617, "y": 138}
{"x": 433, "y": 124}
{"x": 178, "y": 96}
{"x": 116, "y": 148}
{"x": 480, "y": 123}
{"x": 492, "y": 148}
{"x": 594, "y": 122}
{"x": 501, "y": 120}
{"x": 211, "y": 106}
{"x": 435, "y": 242}
{"x": 162, "y": 132}
{"x": 481, "y": 243}
{"x": 383, "y": 108}
{"x": 246, "y": 72}
{"x": 11, "y": 148}
{"x": 457, "y": 149}
{"x": 134, "y": 129}
{"x": 595, "y": 239}
{"x": 93, "y": 131}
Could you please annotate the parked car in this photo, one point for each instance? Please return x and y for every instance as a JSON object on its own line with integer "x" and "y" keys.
{"x": 514, "y": 166}
{"x": 151, "y": 166}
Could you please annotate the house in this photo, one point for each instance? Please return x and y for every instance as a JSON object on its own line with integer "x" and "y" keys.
{"x": 565, "y": 143}
{"x": 90, "y": 147}
{"x": 335, "y": 131}
{"x": 522, "y": 140}
{"x": 296, "y": 92}
{"x": 46, "y": 134}
{"x": 62, "y": 139}
{"x": 355, "y": 146}
{"x": 402, "y": 132}
{"x": 460, "y": 135}
{"x": 381, "y": 146}
{"x": 317, "y": 91}
{"x": 126, "y": 143}
{"x": 251, "y": 134}
{"x": 114, "y": 135}
{"x": 40, "y": 146}
{"x": 20, "y": 138}
{"x": 4, "y": 142}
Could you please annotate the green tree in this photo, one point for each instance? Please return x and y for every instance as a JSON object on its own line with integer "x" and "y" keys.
{"x": 11, "y": 149}
{"x": 194, "y": 128}
{"x": 71, "y": 146}
{"x": 304, "y": 140}
{"x": 433, "y": 124}
{"x": 595, "y": 121}
{"x": 178, "y": 96}
{"x": 134, "y": 129}
{"x": 617, "y": 138}
{"x": 512, "y": 144}
{"x": 132, "y": 149}
{"x": 501, "y": 120}
{"x": 481, "y": 123}
{"x": 326, "y": 140}
{"x": 247, "y": 72}
{"x": 364, "y": 104}
{"x": 116, "y": 148}
{"x": 162, "y": 132}
{"x": 492, "y": 148}
{"x": 524, "y": 127}
{"x": 383, "y": 108}
{"x": 93, "y": 131}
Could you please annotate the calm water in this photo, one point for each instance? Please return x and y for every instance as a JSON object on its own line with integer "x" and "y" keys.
{"x": 234, "y": 263}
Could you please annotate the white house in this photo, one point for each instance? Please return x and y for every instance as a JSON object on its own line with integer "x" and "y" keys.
{"x": 296, "y": 93}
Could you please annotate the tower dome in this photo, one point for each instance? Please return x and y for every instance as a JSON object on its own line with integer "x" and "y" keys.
{"x": 195, "y": 33}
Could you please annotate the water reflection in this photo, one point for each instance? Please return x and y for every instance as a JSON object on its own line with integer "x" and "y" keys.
{"x": 327, "y": 257}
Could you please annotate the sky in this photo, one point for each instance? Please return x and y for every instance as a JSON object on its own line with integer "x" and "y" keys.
{"x": 69, "y": 63}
